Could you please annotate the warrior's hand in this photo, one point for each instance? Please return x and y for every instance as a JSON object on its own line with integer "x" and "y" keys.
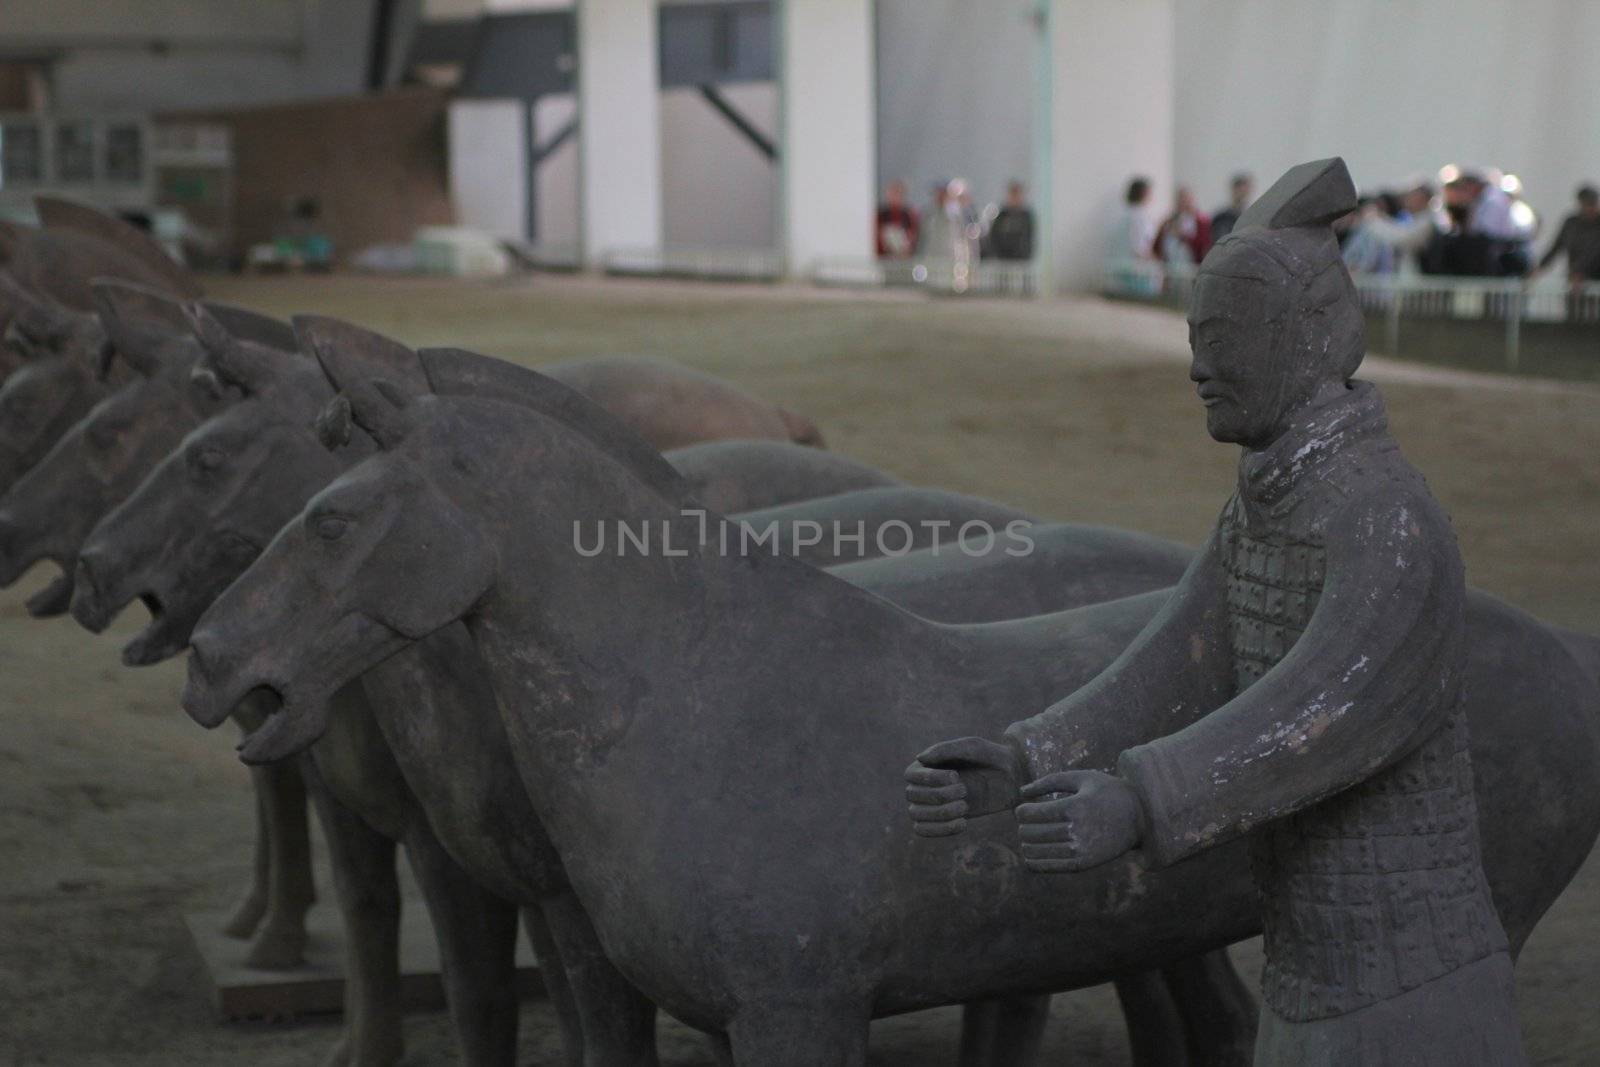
{"x": 955, "y": 780}
{"x": 1075, "y": 820}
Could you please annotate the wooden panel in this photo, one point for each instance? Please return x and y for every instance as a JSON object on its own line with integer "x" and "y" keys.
{"x": 375, "y": 164}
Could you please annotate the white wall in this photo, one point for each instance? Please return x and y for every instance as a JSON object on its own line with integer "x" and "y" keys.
{"x": 718, "y": 190}
{"x": 488, "y": 166}
{"x": 1111, "y": 117}
{"x": 829, "y": 141}
{"x": 955, "y": 93}
{"x": 619, "y": 126}
{"x": 1397, "y": 87}
{"x": 556, "y": 192}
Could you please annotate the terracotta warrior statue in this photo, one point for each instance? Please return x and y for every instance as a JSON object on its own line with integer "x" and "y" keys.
{"x": 1325, "y": 616}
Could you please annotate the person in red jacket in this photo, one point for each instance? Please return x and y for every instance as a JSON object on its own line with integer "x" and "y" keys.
{"x": 897, "y": 227}
{"x": 1185, "y": 237}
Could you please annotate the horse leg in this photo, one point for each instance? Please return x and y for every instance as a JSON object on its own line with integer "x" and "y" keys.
{"x": 369, "y": 902}
{"x": 809, "y": 1035}
{"x": 1005, "y": 1032}
{"x": 619, "y": 1022}
{"x": 556, "y": 987}
{"x": 477, "y": 934}
{"x": 1219, "y": 1012}
{"x": 247, "y": 916}
{"x": 280, "y": 941}
{"x": 1155, "y": 1026}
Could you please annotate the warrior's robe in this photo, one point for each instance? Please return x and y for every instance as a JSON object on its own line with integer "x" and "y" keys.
{"x": 1326, "y": 611}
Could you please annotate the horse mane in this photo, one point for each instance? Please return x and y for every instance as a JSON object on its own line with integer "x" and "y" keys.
{"x": 56, "y": 213}
{"x": 457, "y": 372}
{"x": 246, "y": 325}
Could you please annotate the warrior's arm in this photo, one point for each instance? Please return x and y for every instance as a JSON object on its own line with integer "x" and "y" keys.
{"x": 1177, "y": 669}
{"x": 1372, "y": 676}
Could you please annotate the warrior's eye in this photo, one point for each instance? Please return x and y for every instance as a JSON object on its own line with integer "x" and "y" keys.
{"x": 331, "y": 527}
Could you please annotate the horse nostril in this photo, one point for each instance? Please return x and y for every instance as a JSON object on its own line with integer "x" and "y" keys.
{"x": 86, "y": 577}
{"x": 200, "y": 651}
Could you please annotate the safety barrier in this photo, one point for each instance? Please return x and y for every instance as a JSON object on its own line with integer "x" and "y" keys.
{"x": 1395, "y": 303}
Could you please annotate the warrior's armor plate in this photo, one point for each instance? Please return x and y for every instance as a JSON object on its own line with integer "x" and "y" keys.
{"x": 1378, "y": 889}
{"x": 1344, "y": 753}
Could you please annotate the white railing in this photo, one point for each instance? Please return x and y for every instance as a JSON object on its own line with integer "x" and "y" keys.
{"x": 981, "y": 278}
{"x": 1510, "y": 303}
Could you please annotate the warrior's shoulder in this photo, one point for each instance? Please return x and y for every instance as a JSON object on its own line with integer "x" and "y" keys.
{"x": 1383, "y": 490}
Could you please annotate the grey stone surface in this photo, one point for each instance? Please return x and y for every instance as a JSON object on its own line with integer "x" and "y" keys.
{"x": 1323, "y": 632}
{"x": 604, "y": 710}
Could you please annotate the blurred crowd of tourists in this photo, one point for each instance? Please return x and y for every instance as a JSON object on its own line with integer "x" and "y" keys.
{"x": 951, "y": 227}
{"x": 1466, "y": 223}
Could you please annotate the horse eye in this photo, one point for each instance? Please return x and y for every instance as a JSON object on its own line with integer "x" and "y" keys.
{"x": 207, "y": 459}
{"x": 331, "y": 528}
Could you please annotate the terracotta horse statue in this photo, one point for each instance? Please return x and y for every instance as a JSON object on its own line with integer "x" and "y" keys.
{"x": 188, "y": 531}
{"x": 718, "y": 775}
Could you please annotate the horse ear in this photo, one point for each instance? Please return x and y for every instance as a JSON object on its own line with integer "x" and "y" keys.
{"x": 40, "y": 320}
{"x": 251, "y": 368}
{"x": 334, "y": 423}
{"x": 379, "y": 407}
{"x": 140, "y": 322}
{"x": 349, "y": 354}
{"x": 56, "y": 213}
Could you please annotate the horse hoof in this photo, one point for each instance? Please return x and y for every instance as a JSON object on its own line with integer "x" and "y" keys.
{"x": 381, "y": 1053}
{"x": 245, "y": 918}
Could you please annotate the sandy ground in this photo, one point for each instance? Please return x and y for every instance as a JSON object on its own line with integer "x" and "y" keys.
{"x": 117, "y": 814}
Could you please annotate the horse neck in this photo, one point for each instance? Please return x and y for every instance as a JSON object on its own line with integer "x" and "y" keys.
{"x": 582, "y": 646}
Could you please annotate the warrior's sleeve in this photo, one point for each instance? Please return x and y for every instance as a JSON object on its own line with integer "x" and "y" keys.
{"x": 1176, "y": 670}
{"x": 1374, "y": 674}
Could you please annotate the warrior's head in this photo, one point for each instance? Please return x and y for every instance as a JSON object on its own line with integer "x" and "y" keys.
{"x": 1274, "y": 324}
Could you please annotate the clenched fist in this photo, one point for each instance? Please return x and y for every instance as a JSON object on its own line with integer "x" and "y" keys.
{"x": 955, "y": 780}
{"x": 1074, "y": 820}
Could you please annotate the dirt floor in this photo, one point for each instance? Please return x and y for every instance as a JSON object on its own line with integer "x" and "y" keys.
{"x": 117, "y": 814}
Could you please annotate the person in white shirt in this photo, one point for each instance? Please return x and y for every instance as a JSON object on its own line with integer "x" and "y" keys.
{"x": 1134, "y": 265}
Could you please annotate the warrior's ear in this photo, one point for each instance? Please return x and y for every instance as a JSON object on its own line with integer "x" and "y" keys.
{"x": 140, "y": 322}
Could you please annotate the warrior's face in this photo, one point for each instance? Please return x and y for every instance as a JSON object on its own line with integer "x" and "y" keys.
{"x": 1235, "y": 333}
